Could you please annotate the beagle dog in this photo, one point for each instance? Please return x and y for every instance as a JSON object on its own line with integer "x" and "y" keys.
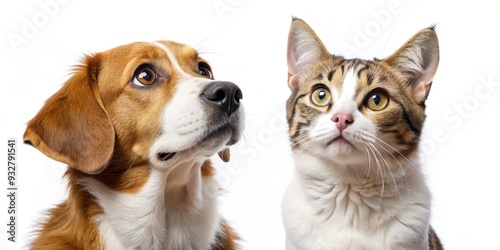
{"x": 137, "y": 125}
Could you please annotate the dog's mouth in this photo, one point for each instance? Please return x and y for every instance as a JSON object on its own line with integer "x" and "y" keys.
{"x": 217, "y": 133}
{"x": 212, "y": 139}
{"x": 165, "y": 156}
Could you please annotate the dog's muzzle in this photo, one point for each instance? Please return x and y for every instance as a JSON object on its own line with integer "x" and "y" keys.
{"x": 224, "y": 118}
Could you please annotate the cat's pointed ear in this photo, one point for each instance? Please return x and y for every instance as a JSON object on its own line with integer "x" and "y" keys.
{"x": 417, "y": 61}
{"x": 304, "y": 48}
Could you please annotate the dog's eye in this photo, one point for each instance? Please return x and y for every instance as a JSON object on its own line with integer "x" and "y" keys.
{"x": 204, "y": 70}
{"x": 144, "y": 76}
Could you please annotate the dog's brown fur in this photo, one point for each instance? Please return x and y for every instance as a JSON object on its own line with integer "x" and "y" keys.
{"x": 102, "y": 127}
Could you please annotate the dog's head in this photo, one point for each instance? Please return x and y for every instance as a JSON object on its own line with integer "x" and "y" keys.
{"x": 155, "y": 102}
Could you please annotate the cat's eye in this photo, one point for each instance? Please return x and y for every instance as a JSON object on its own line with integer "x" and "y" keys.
{"x": 321, "y": 96}
{"x": 377, "y": 100}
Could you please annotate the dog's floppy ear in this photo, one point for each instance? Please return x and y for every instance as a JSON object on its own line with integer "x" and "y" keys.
{"x": 73, "y": 127}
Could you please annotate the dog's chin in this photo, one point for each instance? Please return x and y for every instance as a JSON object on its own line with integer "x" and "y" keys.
{"x": 224, "y": 136}
{"x": 199, "y": 149}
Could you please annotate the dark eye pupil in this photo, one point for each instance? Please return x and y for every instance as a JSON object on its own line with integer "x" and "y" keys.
{"x": 376, "y": 99}
{"x": 204, "y": 70}
{"x": 146, "y": 75}
{"x": 321, "y": 95}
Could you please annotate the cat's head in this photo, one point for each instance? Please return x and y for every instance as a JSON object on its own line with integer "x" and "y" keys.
{"x": 352, "y": 111}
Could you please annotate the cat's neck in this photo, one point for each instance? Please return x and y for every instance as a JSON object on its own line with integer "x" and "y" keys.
{"x": 355, "y": 192}
{"x": 364, "y": 172}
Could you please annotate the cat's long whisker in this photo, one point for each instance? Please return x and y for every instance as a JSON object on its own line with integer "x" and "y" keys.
{"x": 379, "y": 170}
{"x": 390, "y": 171}
{"x": 299, "y": 139}
{"x": 370, "y": 146}
{"x": 370, "y": 162}
{"x": 397, "y": 151}
{"x": 305, "y": 148}
{"x": 303, "y": 134}
{"x": 397, "y": 187}
{"x": 362, "y": 136}
{"x": 398, "y": 162}
{"x": 376, "y": 143}
{"x": 303, "y": 142}
{"x": 387, "y": 165}
{"x": 403, "y": 156}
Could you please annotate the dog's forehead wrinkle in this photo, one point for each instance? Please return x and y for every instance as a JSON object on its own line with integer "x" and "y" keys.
{"x": 173, "y": 60}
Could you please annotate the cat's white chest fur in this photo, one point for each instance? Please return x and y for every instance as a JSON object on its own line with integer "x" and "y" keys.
{"x": 318, "y": 214}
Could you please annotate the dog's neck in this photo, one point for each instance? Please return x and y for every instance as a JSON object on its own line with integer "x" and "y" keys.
{"x": 183, "y": 186}
{"x": 170, "y": 203}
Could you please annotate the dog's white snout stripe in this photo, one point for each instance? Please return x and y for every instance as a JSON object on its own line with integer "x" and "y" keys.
{"x": 172, "y": 59}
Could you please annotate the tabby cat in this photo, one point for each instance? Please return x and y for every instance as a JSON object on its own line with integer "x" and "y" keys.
{"x": 355, "y": 128}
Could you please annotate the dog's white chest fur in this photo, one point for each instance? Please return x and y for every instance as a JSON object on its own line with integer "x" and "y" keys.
{"x": 319, "y": 215}
{"x": 145, "y": 221}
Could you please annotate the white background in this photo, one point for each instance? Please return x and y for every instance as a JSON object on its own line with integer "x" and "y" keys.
{"x": 245, "y": 42}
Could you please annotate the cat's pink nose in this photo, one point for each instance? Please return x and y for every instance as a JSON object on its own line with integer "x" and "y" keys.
{"x": 342, "y": 120}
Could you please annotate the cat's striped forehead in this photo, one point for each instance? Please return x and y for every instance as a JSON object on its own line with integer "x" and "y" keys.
{"x": 347, "y": 79}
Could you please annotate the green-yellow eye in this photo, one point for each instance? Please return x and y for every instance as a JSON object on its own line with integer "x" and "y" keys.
{"x": 377, "y": 100}
{"x": 321, "y": 96}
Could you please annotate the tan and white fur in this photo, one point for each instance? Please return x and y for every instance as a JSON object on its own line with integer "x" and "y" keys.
{"x": 137, "y": 125}
{"x": 354, "y": 127}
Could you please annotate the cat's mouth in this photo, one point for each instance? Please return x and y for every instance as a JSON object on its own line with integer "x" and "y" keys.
{"x": 340, "y": 141}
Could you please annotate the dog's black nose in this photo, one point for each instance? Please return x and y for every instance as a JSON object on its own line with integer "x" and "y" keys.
{"x": 226, "y": 95}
